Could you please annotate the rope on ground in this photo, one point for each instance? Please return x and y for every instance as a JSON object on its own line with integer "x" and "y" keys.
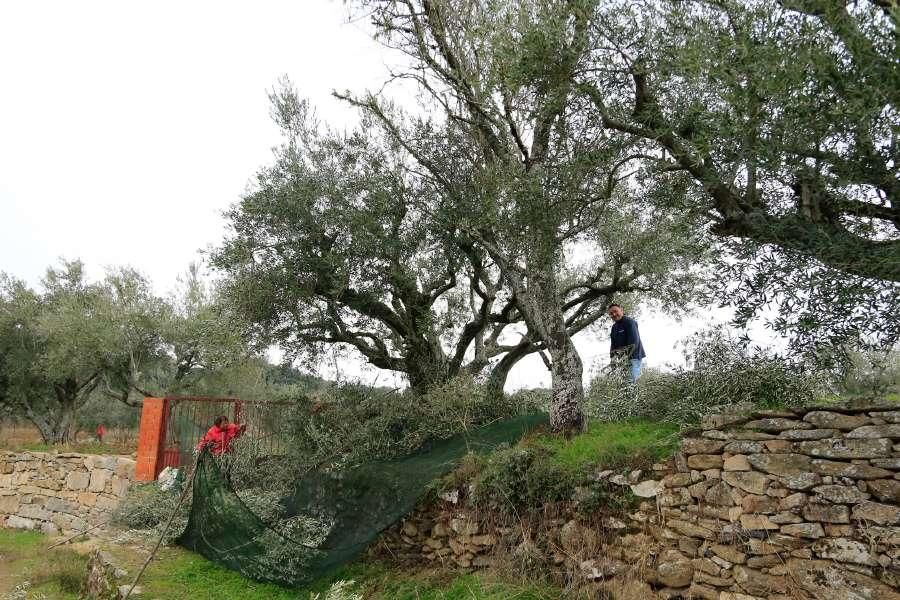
{"x": 187, "y": 487}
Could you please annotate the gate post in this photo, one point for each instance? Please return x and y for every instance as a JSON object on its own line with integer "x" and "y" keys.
{"x": 150, "y": 439}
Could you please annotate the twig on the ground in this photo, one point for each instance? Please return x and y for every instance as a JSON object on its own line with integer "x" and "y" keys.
{"x": 188, "y": 485}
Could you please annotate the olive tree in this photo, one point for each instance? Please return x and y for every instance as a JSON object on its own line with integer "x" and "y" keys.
{"x": 348, "y": 240}
{"x": 336, "y": 244}
{"x": 57, "y": 344}
{"x": 187, "y": 343}
{"x": 786, "y": 115}
{"x": 512, "y": 144}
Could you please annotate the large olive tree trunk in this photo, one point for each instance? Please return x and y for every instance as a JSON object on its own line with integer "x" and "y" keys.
{"x": 543, "y": 309}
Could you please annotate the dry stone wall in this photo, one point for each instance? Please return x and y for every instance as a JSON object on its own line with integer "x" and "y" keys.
{"x": 790, "y": 504}
{"x": 63, "y": 492}
{"x": 801, "y": 504}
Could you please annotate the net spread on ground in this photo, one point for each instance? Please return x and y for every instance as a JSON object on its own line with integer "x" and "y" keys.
{"x": 331, "y": 516}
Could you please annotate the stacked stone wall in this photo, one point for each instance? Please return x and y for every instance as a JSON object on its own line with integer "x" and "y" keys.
{"x": 63, "y": 492}
{"x": 800, "y": 504}
{"x": 790, "y": 504}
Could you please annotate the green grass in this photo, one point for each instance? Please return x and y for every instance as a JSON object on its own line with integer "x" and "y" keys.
{"x": 613, "y": 445}
{"x": 80, "y": 448}
{"x": 181, "y": 574}
{"x": 176, "y": 574}
{"x": 57, "y": 574}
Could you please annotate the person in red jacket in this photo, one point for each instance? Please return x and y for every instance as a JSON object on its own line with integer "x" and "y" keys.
{"x": 220, "y": 435}
{"x": 101, "y": 431}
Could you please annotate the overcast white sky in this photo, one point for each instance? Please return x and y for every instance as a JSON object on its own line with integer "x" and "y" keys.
{"x": 126, "y": 128}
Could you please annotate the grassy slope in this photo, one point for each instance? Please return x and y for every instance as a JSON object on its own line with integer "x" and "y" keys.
{"x": 177, "y": 574}
{"x": 23, "y": 558}
{"x": 613, "y": 445}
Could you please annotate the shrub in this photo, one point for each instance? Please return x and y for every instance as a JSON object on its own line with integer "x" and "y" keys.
{"x": 353, "y": 423}
{"x": 521, "y": 478}
{"x": 148, "y": 507}
{"x": 869, "y": 373}
{"x": 723, "y": 373}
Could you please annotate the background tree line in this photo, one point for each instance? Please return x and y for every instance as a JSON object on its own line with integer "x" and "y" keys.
{"x": 74, "y": 350}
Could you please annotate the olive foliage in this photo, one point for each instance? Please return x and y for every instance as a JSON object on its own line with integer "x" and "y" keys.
{"x": 786, "y": 115}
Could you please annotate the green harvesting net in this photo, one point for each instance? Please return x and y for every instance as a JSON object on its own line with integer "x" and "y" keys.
{"x": 331, "y": 516}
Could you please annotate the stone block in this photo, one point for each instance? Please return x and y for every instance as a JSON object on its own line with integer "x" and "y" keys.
{"x": 811, "y": 531}
{"x": 124, "y": 468}
{"x": 17, "y": 522}
{"x": 748, "y": 435}
{"x": 99, "y": 477}
{"x": 826, "y": 513}
{"x": 108, "y": 463}
{"x": 886, "y": 463}
{"x": 807, "y": 434}
{"x": 705, "y": 592}
{"x": 701, "y": 446}
{"x": 750, "y": 481}
{"x": 675, "y": 574}
{"x": 840, "y": 494}
{"x": 849, "y": 470}
{"x": 780, "y": 464}
{"x": 847, "y": 448}
{"x": 876, "y": 431}
{"x": 9, "y": 504}
{"x": 728, "y": 553}
{"x": 49, "y": 529}
{"x": 78, "y": 480}
{"x": 801, "y": 481}
{"x": 87, "y": 498}
{"x": 826, "y": 580}
{"x": 891, "y": 416}
{"x": 744, "y": 447}
{"x": 758, "y": 583}
{"x": 722, "y": 421}
{"x": 737, "y": 462}
{"x": 754, "y": 504}
{"x": 702, "y": 462}
{"x": 764, "y": 561}
{"x": 32, "y": 511}
{"x": 886, "y": 490}
{"x": 786, "y": 518}
{"x": 778, "y": 446}
{"x": 719, "y": 495}
{"x": 777, "y": 424}
{"x": 57, "y": 505}
{"x": 119, "y": 486}
{"x": 834, "y": 530}
{"x": 880, "y": 514}
{"x": 677, "y": 480}
{"x": 464, "y": 526}
{"x": 758, "y": 523}
{"x": 691, "y": 529}
{"x": 674, "y": 497}
{"x": 109, "y": 503}
{"x": 833, "y": 420}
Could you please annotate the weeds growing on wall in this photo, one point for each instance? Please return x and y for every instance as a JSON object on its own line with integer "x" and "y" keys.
{"x": 546, "y": 469}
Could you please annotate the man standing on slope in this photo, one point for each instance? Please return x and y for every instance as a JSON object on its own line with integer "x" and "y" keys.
{"x": 625, "y": 340}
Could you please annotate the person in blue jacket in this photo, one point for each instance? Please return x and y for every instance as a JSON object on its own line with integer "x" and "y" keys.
{"x": 625, "y": 339}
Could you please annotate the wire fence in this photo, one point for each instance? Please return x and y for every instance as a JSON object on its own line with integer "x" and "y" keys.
{"x": 187, "y": 419}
